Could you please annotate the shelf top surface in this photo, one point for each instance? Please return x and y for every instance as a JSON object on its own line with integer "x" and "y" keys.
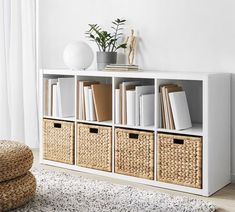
{"x": 133, "y": 74}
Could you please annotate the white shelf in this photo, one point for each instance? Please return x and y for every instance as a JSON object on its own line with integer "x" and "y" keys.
{"x": 195, "y": 130}
{"x": 60, "y": 118}
{"x": 209, "y": 103}
{"x": 104, "y": 123}
{"x": 148, "y": 128}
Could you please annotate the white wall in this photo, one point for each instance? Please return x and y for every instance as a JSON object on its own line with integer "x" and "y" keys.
{"x": 195, "y": 35}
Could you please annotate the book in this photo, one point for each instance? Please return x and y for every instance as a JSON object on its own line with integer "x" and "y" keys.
{"x": 180, "y": 110}
{"x": 45, "y": 96}
{"x": 147, "y": 110}
{"x": 117, "y": 106}
{"x": 140, "y": 90}
{"x": 130, "y": 107}
{"x": 51, "y": 82}
{"x": 54, "y": 101}
{"x": 80, "y": 92}
{"x": 168, "y": 90}
{"x": 121, "y": 67}
{"x": 91, "y": 106}
{"x": 86, "y": 101}
{"x": 65, "y": 94}
{"x": 102, "y": 94}
{"x": 166, "y": 111}
{"x": 124, "y": 87}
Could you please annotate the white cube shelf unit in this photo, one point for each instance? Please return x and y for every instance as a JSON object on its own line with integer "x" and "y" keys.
{"x": 208, "y": 97}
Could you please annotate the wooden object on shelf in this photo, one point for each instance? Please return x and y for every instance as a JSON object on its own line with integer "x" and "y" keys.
{"x": 102, "y": 94}
{"x": 134, "y": 153}
{"x": 58, "y": 141}
{"x": 94, "y": 147}
{"x": 179, "y": 160}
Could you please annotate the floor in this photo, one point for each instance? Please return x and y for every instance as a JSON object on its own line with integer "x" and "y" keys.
{"x": 223, "y": 199}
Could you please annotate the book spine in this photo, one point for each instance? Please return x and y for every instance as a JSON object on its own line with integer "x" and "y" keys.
{"x": 117, "y": 107}
{"x": 130, "y": 107}
{"x": 86, "y": 98}
{"x": 54, "y": 101}
{"x": 91, "y": 106}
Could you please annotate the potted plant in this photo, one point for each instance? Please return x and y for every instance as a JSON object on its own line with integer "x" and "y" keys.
{"x": 108, "y": 42}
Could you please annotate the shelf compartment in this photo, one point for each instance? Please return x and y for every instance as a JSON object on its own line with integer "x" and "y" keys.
{"x": 85, "y": 93}
{"x": 179, "y": 160}
{"x": 194, "y": 95}
{"x": 128, "y": 101}
{"x": 134, "y": 153}
{"x": 58, "y": 141}
{"x": 94, "y": 147}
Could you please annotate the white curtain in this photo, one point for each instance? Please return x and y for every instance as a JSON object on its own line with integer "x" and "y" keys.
{"x": 18, "y": 87}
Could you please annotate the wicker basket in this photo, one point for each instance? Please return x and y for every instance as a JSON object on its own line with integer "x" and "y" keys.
{"x": 179, "y": 160}
{"x": 94, "y": 147}
{"x": 134, "y": 153}
{"x": 58, "y": 141}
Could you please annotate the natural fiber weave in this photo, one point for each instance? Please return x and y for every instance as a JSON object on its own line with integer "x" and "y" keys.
{"x": 58, "y": 141}
{"x": 179, "y": 160}
{"x": 94, "y": 147}
{"x": 134, "y": 153}
{"x": 17, "y": 192}
{"x": 15, "y": 160}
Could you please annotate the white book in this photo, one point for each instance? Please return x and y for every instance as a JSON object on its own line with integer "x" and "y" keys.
{"x": 140, "y": 90}
{"x": 180, "y": 110}
{"x": 92, "y": 115}
{"x": 51, "y": 82}
{"x": 147, "y": 110}
{"x": 66, "y": 94}
{"x": 45, "y": 96}
{"x": 117, "y": 106}
{"x": 124, "y": 87}
{"x": 54, "y": 101}
{"x": 86, "y": 100}
{"x": 130, "y": 107}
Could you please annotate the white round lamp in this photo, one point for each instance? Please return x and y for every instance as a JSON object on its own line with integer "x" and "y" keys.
{"x": 78, "y": 55}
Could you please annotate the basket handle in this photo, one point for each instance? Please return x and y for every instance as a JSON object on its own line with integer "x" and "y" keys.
{"x": 57, "y": 125}
{"x": 93, "y": 130}
{"x": 133, "y": 135}
{"x": 178, "y": 141}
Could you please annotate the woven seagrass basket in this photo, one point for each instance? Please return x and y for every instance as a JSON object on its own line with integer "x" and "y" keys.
{"x": 58, "y": 141}
{"x": 179, "y": 160}
{"x": 94, "y": 147}
{"x": 134, "y": 153}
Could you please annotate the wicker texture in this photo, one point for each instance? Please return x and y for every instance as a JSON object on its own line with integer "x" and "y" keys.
{"x": 58, "y": 142}
{"x": 134, "y": 153}
{"x": 94, "y": 147}
{"x": 179, "y": 160}
{"x": 15, "y": 160}
{"x": 17, "y": 192}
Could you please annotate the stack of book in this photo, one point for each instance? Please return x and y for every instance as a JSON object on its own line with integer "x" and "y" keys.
{"x": 121, "y": 67}
{"x": 134, "y": 104}
{"x": 59, "y": 97}
{"x": 174, "y": 108}
{"x": 94, "y": 101}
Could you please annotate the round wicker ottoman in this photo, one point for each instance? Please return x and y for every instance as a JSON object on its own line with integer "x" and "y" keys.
{"x": 15, "y": 160}
{"x": 17, "y": 184}
{"x": 17, "y": 192}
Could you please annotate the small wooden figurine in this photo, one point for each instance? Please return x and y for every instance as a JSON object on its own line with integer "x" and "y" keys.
{"x": 131, "y": 47}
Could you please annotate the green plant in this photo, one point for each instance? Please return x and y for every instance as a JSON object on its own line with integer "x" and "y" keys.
{"x": 107, "y": 41}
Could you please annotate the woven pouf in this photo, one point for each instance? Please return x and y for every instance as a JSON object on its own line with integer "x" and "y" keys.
{"x": 17, "y": 184}
{"x": 15, "y": 160}
{"x": 17, "y": 192}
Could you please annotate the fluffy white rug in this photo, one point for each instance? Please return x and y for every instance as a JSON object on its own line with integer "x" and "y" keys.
{"x": 57, "y": 191}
